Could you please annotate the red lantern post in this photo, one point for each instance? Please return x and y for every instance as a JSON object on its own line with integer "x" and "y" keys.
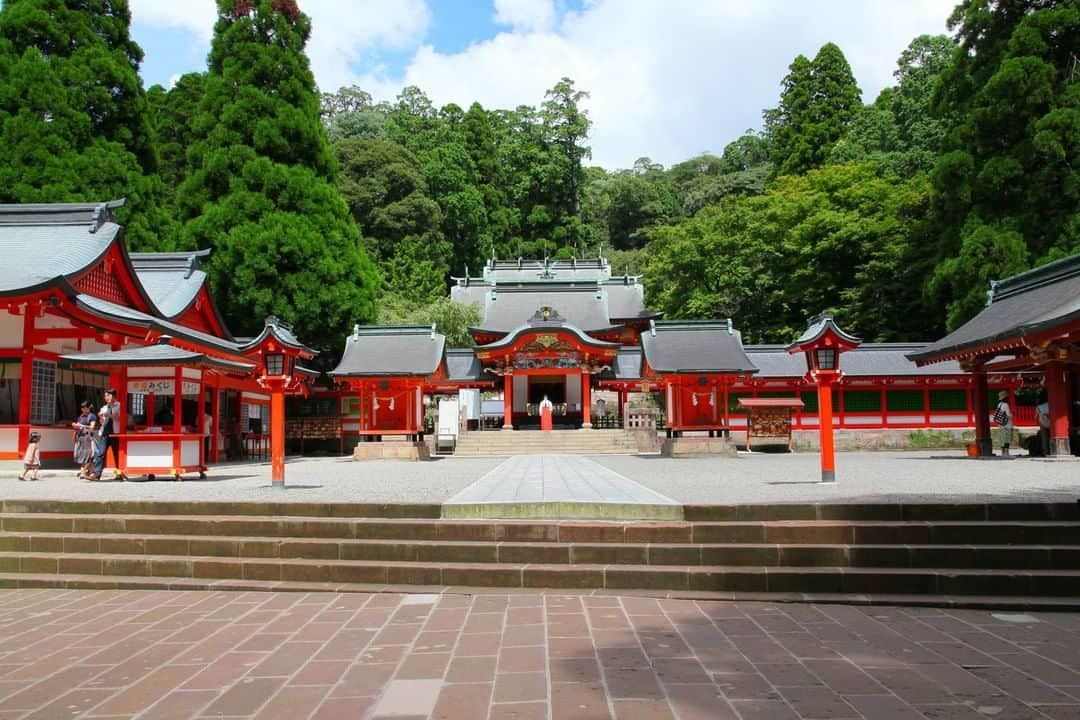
{"x": 822, "y": 343}
{"x": 279, "y": 350}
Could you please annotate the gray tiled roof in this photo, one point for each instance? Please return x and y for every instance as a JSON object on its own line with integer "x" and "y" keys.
{"x": 626, "y": 301}
{"x": 172, "y": 280}
{"x": 627, "y": 365}
{"x": 512, "y": 307}
{"x": 868, "y": 360}
{"x": 391, "y": 350}
{"x": 470, "y": 295}
{"x": 514, "y": 334}
{"x": 695, "y": 346}
{"x": 1025, "y": 303}
{"x": 44, "y": 243}
{"x": 817, "y": 327}
{"x": 516, "y": 271}
{"x": 161, "y": 354}
{"x": 282, "y": 332}
{"x": 106, "y": 309}
{"x": 461, "y": 364}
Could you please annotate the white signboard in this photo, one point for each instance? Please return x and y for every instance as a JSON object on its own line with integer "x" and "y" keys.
{"x": 160, "y": 387}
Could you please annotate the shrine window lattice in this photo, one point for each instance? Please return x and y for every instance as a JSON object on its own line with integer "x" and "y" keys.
{"x": 102, "y": 284}
{"x": 955, "y": 400}
{"x": 43, "y": 393}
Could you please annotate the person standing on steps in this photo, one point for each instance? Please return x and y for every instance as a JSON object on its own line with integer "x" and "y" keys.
{"x": 1004, "y": 418}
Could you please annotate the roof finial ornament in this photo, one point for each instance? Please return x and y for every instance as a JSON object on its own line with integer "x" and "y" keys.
{"x": 356, "y": 331}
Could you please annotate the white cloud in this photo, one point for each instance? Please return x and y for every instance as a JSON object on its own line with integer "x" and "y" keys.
{"x": 666, "y": 78}
{"x": 344, "y": 32}
{"x": 197, "y": 16}
{"x": 341, "y": 32}
{"x": 672, "y": 78}
{"x": 525, "y": 15}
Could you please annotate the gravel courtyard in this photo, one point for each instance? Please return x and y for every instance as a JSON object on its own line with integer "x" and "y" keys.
{"x": 926, "y": 476}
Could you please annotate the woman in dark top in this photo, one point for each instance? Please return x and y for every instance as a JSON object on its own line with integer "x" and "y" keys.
{"x": 84, "y": 428}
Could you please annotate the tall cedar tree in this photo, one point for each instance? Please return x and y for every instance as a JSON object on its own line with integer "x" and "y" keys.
{"x": 819, "y": 101}
{"x": 74, "y": 123}
{"x": 1007, "y": 189}
{"x": 173, "y": 112}
{"x": 261, "y": 188}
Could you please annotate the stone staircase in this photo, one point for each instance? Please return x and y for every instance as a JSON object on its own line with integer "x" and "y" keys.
{"x": 1015, "y": 555}
{"x": 534, "y": 442}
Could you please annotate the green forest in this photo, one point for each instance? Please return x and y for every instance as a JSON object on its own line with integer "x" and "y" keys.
{"x": 328, "y": 209}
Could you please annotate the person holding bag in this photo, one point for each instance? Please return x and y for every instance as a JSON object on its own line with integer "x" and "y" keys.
{"x": 84, "y": 426}
{"x": 1004, "y": 418}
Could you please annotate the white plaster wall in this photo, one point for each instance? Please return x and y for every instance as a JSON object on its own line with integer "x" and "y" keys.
{"x": 151, "y": 372}
{"x": 11, "y": 330}
{"x": 53, "y": 321}
{"x": 9, "y": 439}
{"x": 55, "y": 439}
{"x": 150, "y": 453}
{"x": 189, "y": 452}
{"x": 93, "y": 346}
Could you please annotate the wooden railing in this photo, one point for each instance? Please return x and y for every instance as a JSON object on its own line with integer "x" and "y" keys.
{"x": 640, "y": 418}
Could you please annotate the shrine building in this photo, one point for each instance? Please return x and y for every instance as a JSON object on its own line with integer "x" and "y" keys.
{"x": 80, "y": 314}
{"x": 571, "y": 330}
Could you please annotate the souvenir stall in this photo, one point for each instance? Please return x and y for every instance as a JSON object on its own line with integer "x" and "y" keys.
{"x": 162, "y": 428}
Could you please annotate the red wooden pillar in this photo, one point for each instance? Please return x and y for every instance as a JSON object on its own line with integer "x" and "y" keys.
{"x": 26, "y": 381}
{"x": 979, "y": 395}
{"x": 277, "y": 436}
{"x": 828, "y": 460}
{"x": 420, "y": 410}
{"x": 1057, "y": 390}
{"x": 926, "y": 404}
{"x": 586, "y": 399}
{"x": 508, "y": 401}
{"x": 215, "y": 420}
{"x": 178, "y": 420}
{"x": 670, "y": 406}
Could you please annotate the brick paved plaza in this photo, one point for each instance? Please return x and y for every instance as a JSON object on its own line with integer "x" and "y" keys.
{"x": 149, "y": 654}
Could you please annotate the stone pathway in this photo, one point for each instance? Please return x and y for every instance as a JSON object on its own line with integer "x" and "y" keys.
{"x": 145, "y": 654}
{"x": 559, "y": 486}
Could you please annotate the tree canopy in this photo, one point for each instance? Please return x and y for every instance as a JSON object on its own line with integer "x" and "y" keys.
{"x": 1007, "y": 186}
{"x": 261, "y": 187}
{"x": 73, "y": 116}
{"x": 337, "y": 207}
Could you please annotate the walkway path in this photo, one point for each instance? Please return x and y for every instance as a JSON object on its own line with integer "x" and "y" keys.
{"x": 559, "y": 486}
{"x": 138, "y": 654}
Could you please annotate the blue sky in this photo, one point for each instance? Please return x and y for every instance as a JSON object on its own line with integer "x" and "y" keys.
{"x": 666, "y": 79}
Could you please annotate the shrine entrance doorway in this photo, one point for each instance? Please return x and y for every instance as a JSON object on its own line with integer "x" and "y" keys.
{"x": 553, "y": 386}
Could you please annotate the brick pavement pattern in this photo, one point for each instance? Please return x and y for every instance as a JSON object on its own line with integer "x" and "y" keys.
{"x": 161, "y": 654}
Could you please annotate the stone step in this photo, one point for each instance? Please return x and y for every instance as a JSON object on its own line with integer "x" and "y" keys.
{"x": 784, "y": 532}
{"x": 923, "y": 512}
{"x": 749, "y": 554}
{"x": 117, "y": 582}
{"x": 1046, "y": 583}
